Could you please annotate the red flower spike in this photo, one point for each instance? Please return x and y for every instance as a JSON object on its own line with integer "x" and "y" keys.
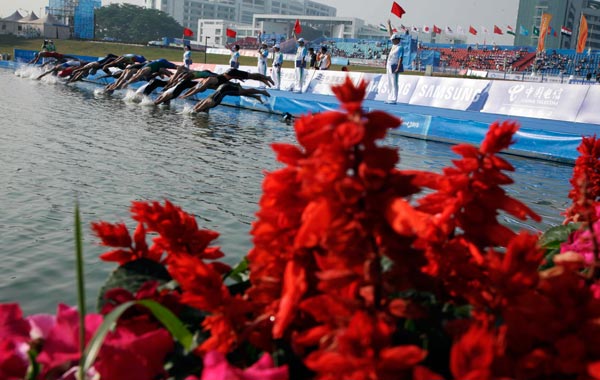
{"x": 350, "y": 96}
{"x": 294, "y": 287}
{"x": 585, "y": 182}
{"x": 472, "y": 356}
{"x": 112, "y": 235}
{"x": 288, "y": 154}
{"x": 499, "y": 137}
{"x": 378, "y": 124}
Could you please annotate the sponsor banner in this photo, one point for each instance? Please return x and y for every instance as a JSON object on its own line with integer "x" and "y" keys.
{"x": 496, "y": 75}
{"x": 514, "y": 76}
{"x": 539, "y": 100}
{"x": 406, "y": 87}
{"x": 451, "y": 93}
{"x": 477, "y": 73}
{"x": 372, "y": 83}
{"x": 342, "y": 61}
{"x": 588, "y": 113}
{"x": 320, "y": 82}
{"x": 218, "y": 51}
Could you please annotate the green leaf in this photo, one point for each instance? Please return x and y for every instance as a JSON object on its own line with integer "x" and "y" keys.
{"x": 95, "y": 344}
{"x": 164, "y": 315}
{"x": 80, "y": 283}
{"x": 171, "y": 323}
{"x": 132, "y": 275}
{"x": 240, "y": 272}
{"x": 555, "y": 236}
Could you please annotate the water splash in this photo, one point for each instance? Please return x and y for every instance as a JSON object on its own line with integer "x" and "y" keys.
{"x": 147, "y": 101}
{"x": 132, "y": 96}
{"x": 28, "y": 71}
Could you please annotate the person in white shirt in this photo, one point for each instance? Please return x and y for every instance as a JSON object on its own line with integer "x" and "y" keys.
{"x": 187, "y": 56}
{"x": 324, "y": 59}
{"x": 394, "y": 65}
{"x": 277, "y": 63}
{"x": 234, "y": 61}
{"x": 300, "y": 64}
{"x": 263, "y": 54}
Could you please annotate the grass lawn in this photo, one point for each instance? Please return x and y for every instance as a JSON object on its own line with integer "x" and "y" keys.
{"x": 99, "y": 49}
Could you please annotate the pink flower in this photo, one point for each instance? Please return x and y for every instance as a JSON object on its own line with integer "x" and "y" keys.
{"x": 41, "y": 325}
{"x": 127, "y": 356}
{"x": 61, "y": 347}
{"x": 216, "y": 367}
{"x": 582, "y": 242}
{"x": 14, "y": 331}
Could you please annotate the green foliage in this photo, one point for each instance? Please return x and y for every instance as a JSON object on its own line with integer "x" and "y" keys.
{"x": 553, "y": 238}
{"x": 132, "y": 275}
{"x": 164, "y": 315}
{"x": 132, "y": 23}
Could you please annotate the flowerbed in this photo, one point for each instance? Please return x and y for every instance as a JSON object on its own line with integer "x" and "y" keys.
{"x": 358, "y": 271}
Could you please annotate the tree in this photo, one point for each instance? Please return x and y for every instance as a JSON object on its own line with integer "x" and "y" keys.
{"x": 132, "y": 23}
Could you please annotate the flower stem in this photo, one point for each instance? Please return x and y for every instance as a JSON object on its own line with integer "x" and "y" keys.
{"x": 80, "y": 289}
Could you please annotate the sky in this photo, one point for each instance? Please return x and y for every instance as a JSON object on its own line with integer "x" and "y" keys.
{"x": 442, "y": 13}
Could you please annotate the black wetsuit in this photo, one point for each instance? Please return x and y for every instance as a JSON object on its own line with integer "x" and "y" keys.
{"x": 226, "y": 89}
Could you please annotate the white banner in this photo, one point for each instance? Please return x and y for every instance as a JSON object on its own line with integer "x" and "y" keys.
{"x": 588, "y": 113}
{"x": 451, "y": 93}
{"x": 540, "y": 100}
{"x": 406, "y": 87}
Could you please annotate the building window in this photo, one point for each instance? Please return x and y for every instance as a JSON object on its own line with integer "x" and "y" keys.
{"x": 19, "y": 28}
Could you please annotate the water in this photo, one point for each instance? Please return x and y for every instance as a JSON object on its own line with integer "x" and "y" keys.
{"x": 61, "y": 143}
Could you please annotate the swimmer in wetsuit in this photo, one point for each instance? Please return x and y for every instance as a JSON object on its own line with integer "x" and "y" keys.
{"x": 218, "y": 80}
{"x": 187, "y": 80}
{"x": 65, "y": 69}
{"x": 92, "y": 67}
{"x": 50, "y": 54}
{"x": 123, "y": 61}
{"x": 228, "y": 89}
{"x": 146, "y": 72}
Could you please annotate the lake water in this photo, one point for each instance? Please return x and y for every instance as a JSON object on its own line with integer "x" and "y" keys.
{"x": 60, "y": 144}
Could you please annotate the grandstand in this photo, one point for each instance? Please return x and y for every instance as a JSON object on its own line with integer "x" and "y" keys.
{"x": 446, "y": 57}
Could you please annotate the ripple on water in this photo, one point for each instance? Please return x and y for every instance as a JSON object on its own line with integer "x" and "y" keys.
{"x": 66, "y": 143}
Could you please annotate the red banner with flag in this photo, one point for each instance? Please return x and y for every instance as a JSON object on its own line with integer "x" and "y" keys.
{"x": 397, "y": 9}
{"x": 297, "y": 27}
{"x": 544, "y": 28}
{"x": 583, "y": 34}
{"x": 437, "y": 30}
{"x": 230, "y": 33}
{"x": 497, "y": 30}
{"x": 187, "y": 32}
{"x": 472, "y": 30}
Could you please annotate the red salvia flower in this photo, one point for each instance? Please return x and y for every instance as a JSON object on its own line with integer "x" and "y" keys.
{"x": 585, "y": 182}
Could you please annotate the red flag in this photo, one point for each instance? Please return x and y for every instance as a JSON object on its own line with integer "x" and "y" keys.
{"x": 397, "y": 9}
{"x": 583, "y": 34}
{"x": 497, "y": 30}
{"x": 436, "y": 29}
{"x": 230, "y": 33}
{"x": 472, "y": 30}
{"x": 187, "y": 32}
{"x": 297, "y": 27}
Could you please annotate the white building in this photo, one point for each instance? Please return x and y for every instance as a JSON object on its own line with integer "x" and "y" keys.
{"x": 189, "y": 12}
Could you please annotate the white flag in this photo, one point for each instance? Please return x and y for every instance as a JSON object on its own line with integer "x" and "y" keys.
{"x": 484, "y": 29}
